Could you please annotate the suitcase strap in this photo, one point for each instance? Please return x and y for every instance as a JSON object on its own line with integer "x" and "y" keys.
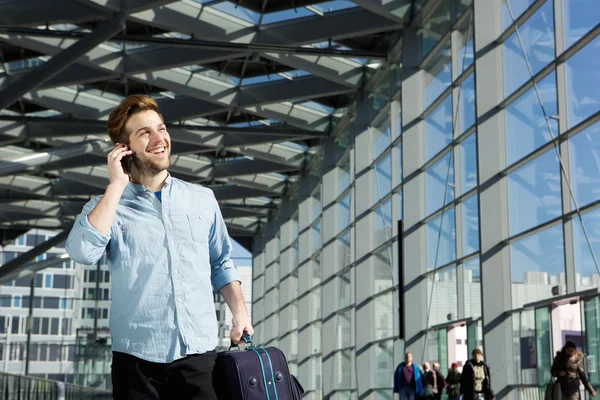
{"x": 267, "y": 372}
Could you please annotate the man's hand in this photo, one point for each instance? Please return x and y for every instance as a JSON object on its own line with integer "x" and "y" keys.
{"x": 116, "y": 174}
{"x": 241, "y": 323}
{"x": 593, "y": 393}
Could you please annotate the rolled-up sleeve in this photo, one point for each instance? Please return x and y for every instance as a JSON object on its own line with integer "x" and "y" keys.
{"x": 85, "y": 244}
{"x": 223, "y": 271}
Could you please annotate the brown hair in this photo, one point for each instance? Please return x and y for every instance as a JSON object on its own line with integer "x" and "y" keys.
{"x": 120, "y": 115}
{"x": 475, "y": 352}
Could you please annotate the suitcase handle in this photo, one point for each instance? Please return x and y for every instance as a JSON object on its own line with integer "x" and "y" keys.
{"x": 247, "y": 342}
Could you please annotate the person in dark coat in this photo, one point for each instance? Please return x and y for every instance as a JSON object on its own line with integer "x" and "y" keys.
{"x": 475, "y": 380}
{"x": 453, "y": 383}
{"x": 440, "y": 380}
{"x": 568, "y": 368}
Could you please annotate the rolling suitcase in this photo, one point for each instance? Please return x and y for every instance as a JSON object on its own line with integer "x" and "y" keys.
{"x": 254, "y": 373}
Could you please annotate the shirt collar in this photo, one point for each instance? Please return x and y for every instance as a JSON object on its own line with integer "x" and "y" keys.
{"x": 137, "y": 188}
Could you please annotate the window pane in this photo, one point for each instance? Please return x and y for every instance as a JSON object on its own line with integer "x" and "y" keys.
{"x": 445, "y": 296}
{"x": 472, "y": 288}
{"x": 537, "y": 34}
{"x": 447, "y": 239}
{"x": 383, "y": 222}
{"x": 468, "y": 164}
{"x": 584, "y": 160}
{"x": 398, "y": 150}
{"x": 343, "y": 212}
{"x": 537, "y": 264}
{"x": 439, "y": 178}
{"x": 54, "y": 327}
{"x": 344, "y": 179}
{"x": 585, "y": 269}
{"x": 470, "y": 225}
{"x": 381, "y": 137}
{"x": 526, "y": 128}
{"x": 384, "y": 316}
{"x": 51, "y": 302}
{"x": 438, "y": 75}
{"x": 383, "y": 178}
{"x": 534, "y": 193}
{"x": 582, "y": 69}
{"x": 315, "y": 233}
{"x": 465, "y": 45}
{"x": 579, "y": 17}
{"x": 62, "y": 281}
{"x": 438, "y": 128}
{"x": 435, "y": 26}
{"x": 467, "y": 104}
{"x": 518, "y": 7}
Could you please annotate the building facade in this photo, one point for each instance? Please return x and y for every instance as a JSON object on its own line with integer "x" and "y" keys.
{"x": 224, "y": 313}
{"x": 442, "y": 215}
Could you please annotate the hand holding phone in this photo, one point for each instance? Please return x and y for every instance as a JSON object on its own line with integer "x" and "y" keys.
{"x": 118, "y": 160}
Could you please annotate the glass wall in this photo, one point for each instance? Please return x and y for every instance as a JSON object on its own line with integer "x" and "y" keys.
{"x": 476, "y": 181}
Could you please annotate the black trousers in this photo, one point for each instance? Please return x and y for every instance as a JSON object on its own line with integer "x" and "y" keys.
{"x": 187, "y": 379}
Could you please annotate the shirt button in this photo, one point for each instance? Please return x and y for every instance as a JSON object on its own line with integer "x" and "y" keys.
{"x": 201, "y": 217}
{"x": 176, "y": 271}
{"x": 179, "y": 299}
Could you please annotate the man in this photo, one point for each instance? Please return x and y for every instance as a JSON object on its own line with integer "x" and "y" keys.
{"x": 430, "y": 383}
{"x": 475, "y": 380}
{"x": 168, "y": 249}
{"x": 440, "y": 381}
{"x": 407, "y": 379}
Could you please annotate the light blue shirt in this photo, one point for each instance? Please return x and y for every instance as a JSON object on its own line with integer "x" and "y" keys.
{"x": 165, "y": 259}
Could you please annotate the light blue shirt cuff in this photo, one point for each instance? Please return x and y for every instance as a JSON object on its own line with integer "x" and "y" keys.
{"x": 92, "y": 234}
{"x": 224, "y": 274}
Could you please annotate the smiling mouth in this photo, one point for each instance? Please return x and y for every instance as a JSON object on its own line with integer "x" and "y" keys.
{"x": 159, "y": 150}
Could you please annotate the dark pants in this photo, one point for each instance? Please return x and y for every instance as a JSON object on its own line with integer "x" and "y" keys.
{"x": 407, "y": 393}
{"x": 187, "y": 379}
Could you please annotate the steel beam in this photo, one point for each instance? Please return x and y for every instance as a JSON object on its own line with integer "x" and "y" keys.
{"x": 394, "y": 10}
{"x": 18, "y": 263}
{"x": 22, "y": 162}
{"x": 41, "y": 12}
{"x": 248, "y": 167}
{"x": 61, "y": 61}
{"x": 231, "y": 192}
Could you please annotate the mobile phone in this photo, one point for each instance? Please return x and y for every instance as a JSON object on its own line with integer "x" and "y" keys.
{"x": 126, "y": 164}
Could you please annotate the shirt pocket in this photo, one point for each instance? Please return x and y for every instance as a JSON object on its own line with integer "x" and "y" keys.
{"x": 199, "y": 227}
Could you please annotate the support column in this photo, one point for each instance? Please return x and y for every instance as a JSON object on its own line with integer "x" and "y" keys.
{"x": 415, "y": 260}
{"x": 60, "y": 61}
{"x": 493, "y": 207}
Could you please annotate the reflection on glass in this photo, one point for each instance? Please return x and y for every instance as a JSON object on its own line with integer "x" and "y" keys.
{"x": 468, "y": 164}
{"x": 345, "y": 286}
{"x": 383, "y": 178}
{"x": 399, "y": 204}
{"x": 584, "y": 160}
{"x": 537, "y": 34}
{"x": 586, "y": 274}
{"x": 537, "y": 265}
{"x": 579, "y": 17}
{"x": 383, "y": 222}
{"x": 316, "y": 203}
{"x": 383, "y": 270}
{"x": 465, "y": 54}
{"x": 381, "y": 138}
{"x": 384, "y": 316}
{"x": 518, "y": 7}
{"x": 526, "y": 128}
{"x": 438, "y": 128}
{"x": 534, "y": 193}
{"x": 472, "y": 288}
{"x": 315, "y": 236}
{"x": 466, "y": 111}
{"x": 439, "y": 178}
{"x": 343, "y": 212}
{"x": 435, "y": 26}
{"x": 437, "y": 75}
{"x": 398, "y": 150}
{"x": 343, "y": 250}
{"x": 583, "y": 68}
{"x": 344, "y": 177}
{"x": 470, "y": 225}
{"x": 441, "y": 244}
{"x": 444, "y": 302}
{"x": 384, "y": 363}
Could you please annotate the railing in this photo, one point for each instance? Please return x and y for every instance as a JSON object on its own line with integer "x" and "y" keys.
{"x": 21, "y": 387}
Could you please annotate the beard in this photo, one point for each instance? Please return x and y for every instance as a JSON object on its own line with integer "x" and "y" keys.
{"x": 147, "y": 166}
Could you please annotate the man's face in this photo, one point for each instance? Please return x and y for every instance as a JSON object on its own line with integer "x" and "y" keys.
{"x": 149, "y": 141}
{"x": 478, "y": 357}
{"x": 570, "y": 351}
{"x": 408, "y": 358}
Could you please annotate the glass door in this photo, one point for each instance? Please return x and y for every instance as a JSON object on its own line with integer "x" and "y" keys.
{"x": 474, "y": 337}
{"x": 591, "y": 316}
{"x": 543, "y": 341}
{"x": 443, "y": 349}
